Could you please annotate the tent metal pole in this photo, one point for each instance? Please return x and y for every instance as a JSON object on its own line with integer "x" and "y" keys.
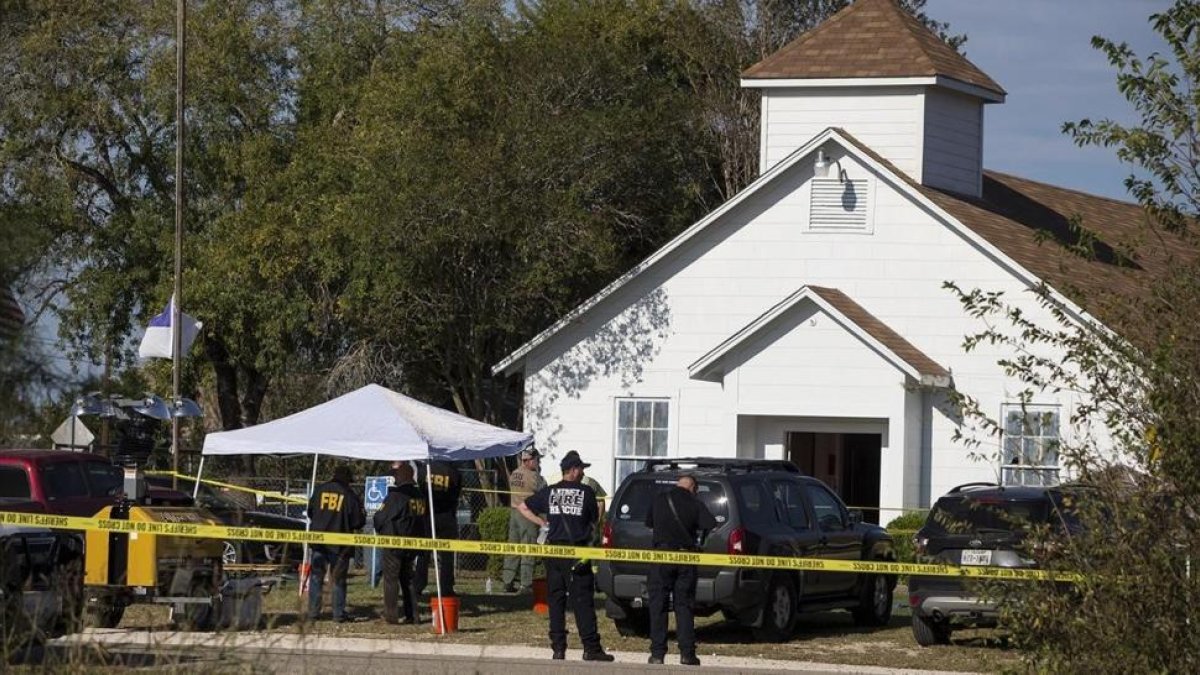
{"x": 437, "y": 570}
{"x": 199, "y": 474}
{"x": 306, "y": 568}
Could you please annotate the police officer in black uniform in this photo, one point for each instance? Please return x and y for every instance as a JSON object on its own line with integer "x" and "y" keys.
{"x": 677, "y": 518}
{"x": 405, "y": 513}
{"x": 334, "y": 507}
{"x": 447, "y": 486}
{"x": 572, "y": 513}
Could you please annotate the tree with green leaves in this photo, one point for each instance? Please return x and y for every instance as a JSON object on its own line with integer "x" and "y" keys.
{"x": 511, "y": 165}
{"x": 88, "y": 119}
{"x": 1134, "y": 515}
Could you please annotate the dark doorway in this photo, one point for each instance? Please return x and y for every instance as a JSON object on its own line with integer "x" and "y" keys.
{"x": 848, "y": 463}
{"x": 860, "y": 473}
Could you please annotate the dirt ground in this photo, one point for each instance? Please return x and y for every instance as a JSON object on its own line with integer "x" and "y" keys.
{"x": 498, "y": 618}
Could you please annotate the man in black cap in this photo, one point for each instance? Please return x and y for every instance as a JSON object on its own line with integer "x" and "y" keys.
{"x": 334, "y": 507}
{"x": 677, "y": 518}
{"x": 405, "y": 513}
{"x": 571, "y": 515}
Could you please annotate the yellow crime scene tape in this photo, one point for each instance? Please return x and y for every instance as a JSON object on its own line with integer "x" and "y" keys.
{"x": 269, "y": 494}
{"x": 202, "y": 531}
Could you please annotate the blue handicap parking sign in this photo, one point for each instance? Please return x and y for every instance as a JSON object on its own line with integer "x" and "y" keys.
{"x": 373, "y": 496}
{"x": 376, "y": 492}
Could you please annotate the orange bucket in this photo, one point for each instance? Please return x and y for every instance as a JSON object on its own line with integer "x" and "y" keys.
{"x": 539, "y": 597}
{"x": 444, "y": 610}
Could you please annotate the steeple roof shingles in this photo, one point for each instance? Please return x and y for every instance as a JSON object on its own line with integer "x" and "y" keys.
{"x": 870, "y": 39}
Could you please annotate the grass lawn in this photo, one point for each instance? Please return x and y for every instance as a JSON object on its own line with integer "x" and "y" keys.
{"x": 828, "y": 637}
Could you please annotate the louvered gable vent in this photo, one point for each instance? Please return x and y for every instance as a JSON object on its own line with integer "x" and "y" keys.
{"x": 839, "y": 205}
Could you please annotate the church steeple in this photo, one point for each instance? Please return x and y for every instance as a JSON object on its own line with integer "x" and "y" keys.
{"x": 876, "y": 71}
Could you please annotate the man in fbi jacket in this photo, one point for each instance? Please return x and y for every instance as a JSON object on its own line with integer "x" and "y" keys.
{"x": 405, "y": 513}
{"x": 571, "y": 516}
{"x": 334, "y": 507}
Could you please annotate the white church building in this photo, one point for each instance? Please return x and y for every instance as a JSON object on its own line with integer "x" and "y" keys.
{"x": 806, "y": 318}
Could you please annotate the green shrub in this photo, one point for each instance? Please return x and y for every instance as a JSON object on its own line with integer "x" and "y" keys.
{"x": 493, "y": 526}
{"x": 902, "y": 530}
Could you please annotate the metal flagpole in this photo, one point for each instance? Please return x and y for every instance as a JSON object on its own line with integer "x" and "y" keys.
{"x": 176, "y": 311}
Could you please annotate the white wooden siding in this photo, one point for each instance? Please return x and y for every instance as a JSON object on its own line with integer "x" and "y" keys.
{"x": 953, "y": 143}
{"x": 888, "y": 119}
{"x": 932, "y": 134}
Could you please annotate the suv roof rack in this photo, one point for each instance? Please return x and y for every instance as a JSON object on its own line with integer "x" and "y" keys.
{"x": 979, "y": 484}
{"x": 727, "y": 464}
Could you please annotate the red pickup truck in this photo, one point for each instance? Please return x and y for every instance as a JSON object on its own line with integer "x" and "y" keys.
{"x": 66, "y": 483}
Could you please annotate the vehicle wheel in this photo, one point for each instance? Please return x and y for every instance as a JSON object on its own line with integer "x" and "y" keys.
{"x": 197, "y": 616}
{"x": 635, "y": 624}
{"x": 68, "y": 585}
{"x": 779, "y": 611}
{"x": 104, "y": 616}
{"x": 874, "y": 600}
{"x": 232, "y": 553}
{"x": 16, "y": 632}
{"x": 928, "y": 632}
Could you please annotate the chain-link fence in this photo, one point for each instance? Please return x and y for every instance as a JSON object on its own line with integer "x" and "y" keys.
{"x": 279, "y": 496}
{"x": 477, "y": 495}
{"x": 288, "y": 497}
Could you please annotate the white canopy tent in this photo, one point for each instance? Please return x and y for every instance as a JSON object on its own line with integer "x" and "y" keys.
{"x": 372, "y": 423}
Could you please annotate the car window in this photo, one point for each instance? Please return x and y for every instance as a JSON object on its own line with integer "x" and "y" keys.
{"x": 787, "y": 494}
{"x": 635, "y": 501}
{"x": 105, "y": 479}
{"x": 211, "y": 498}
{"x": 63, "y": 480}
{"x": 14, "y": 483}
{"x": 757, "y": 507}
{"x": 713, "y": 496}
{"x": 827, "y": 508}
{"x": 968, "y": 516}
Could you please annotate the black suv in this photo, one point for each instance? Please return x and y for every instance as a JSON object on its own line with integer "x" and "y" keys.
{"x": 762, "y": 508}
{"x": 977, "y": 524}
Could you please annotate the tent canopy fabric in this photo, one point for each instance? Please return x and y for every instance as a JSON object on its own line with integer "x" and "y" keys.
{"x": 373, "y": 423}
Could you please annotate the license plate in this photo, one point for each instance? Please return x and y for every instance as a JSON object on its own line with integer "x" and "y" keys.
{"x": 974, "y": 557}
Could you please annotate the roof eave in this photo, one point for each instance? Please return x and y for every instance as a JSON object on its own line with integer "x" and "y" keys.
{"x": 936, "y": 380}
{"x": 983, "y": 93}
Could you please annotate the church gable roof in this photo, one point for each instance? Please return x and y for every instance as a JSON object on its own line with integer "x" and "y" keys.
{"x": 852, "y": 316}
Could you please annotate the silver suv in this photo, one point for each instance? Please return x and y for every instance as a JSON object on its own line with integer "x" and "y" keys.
{"x": 976, "y": 524}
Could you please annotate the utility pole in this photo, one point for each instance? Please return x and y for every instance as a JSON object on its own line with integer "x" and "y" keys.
{"x": 176, "y": 306}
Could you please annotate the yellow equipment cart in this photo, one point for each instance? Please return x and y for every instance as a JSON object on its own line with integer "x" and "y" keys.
{"x": 125, "y": 568}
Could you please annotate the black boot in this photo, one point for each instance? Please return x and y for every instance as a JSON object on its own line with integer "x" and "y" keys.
{"x": 597, "y": 654}
{"x": 688, "y": 660}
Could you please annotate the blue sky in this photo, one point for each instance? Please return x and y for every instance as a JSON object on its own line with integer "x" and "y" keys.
{"x": 1040, "y": 52}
